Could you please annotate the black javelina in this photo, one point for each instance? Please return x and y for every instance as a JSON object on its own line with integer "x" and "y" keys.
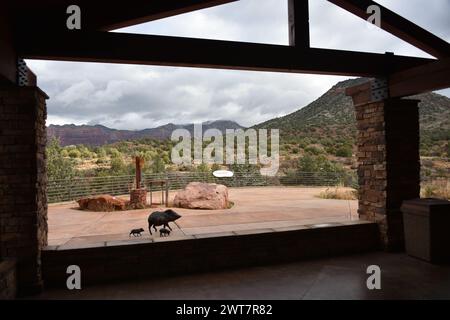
{"x": 159, "y": 218}
{"x": 163, "y": 232}
{"x": 136, "y": 232}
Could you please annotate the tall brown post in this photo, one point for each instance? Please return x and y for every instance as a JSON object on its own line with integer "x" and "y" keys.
{"x": 138, "y": 196}
{"x": 138, "y": 172}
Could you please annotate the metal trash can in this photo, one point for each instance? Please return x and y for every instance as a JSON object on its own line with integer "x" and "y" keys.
{"x": 427, "y": 229}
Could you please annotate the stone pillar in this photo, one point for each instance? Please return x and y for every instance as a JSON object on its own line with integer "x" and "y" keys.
{"x": 8, "y": 280}
{"x": 388, "y": 164}
{"x": 388, "y": 157}
{"x": 23, "y": 182}
{"x": 138, "y": 198}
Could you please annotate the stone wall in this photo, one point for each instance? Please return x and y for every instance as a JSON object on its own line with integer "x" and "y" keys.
{"x": 388, "y": 164}
{"x": 180, "y": 255}
{"x": 23, "y": 200}
{"x": 8, "y": 280}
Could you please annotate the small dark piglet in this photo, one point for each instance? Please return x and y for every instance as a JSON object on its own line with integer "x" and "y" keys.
{"x": 163, "y": 232}
{"x": 136, "y": 232}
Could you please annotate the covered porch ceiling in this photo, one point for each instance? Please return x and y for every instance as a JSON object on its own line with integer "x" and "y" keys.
{"x": 40, "y": 33}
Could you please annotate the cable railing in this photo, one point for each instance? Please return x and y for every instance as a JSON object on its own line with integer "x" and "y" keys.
{"x": 73, "y": 189}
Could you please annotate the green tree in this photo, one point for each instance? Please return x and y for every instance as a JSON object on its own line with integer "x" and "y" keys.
{"x": 101, "y": 152}
{"x": 58, "y": 167}
{"x": 157, "y": 165}
{"x": 118, "y": 166}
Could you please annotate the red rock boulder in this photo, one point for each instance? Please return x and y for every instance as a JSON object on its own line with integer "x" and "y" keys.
{"x": 198, "y": 195}
{"x": 104, "y": 202}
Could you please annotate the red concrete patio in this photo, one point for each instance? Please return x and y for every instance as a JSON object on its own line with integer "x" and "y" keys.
{"x": 256, "y": 209}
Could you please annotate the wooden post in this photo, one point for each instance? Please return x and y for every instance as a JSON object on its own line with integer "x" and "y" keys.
{"x": 138, "y": 172}
{"x": 167, "y": 193}
{"x": 151, "y": 194}
{"x": 298, "y": 11}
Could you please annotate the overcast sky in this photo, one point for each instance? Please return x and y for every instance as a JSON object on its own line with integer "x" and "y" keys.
{"x": 138, "y": 97}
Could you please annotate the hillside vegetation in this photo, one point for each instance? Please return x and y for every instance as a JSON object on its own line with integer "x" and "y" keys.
{"x": 319, "y": 137}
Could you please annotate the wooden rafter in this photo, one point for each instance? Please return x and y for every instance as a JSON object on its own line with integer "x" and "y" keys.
{"x": 298, "y": 12}
{"x": 40, "y": 26}
{"x": 102, "y": 14}
{"x": 400, "y": 27}
{"x": 424, "y": 78}
{"x": 145, "y": 11}
{"x": 112, "y": 47}
{"x": 429, "y": 77}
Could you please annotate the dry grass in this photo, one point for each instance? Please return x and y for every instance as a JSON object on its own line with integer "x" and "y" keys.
{"x": 437, "y": 189}
{"x": 339, "y": 193}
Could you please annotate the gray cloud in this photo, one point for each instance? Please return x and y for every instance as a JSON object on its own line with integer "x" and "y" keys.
{"x": 136, "y": 97}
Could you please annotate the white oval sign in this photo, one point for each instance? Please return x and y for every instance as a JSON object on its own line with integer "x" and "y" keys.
{"x": 223, "y": 174}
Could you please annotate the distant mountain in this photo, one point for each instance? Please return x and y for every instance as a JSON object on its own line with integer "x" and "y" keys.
{"x": 97, "y": 135}
{"x": 332, "y": 115}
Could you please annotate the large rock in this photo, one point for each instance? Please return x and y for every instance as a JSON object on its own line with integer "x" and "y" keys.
{"x": 199, "y": 195}
{"x": 104, "y": 202}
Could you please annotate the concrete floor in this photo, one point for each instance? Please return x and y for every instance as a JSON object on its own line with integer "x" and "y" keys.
{"x": 402, "y": 277}
{"x": 254, "y": 208}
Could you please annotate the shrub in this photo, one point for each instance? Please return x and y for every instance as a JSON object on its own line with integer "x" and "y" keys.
{"x": 313, "y": 150}
{"x": 203, "y": 167}
{"x": 344, "y": 151}
{"x": 312, "y": 163}
{"x": 74, "y": 154}
{"x": 437, "y": 189}
{"x": 101, "y": 160}
{"x": 113, "y": 152}
{"x": 339, "y": 193}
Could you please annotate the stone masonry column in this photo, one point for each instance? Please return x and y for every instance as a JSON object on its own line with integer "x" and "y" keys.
{"x": 23, "y": 182}
{"x": 388, "y": 161}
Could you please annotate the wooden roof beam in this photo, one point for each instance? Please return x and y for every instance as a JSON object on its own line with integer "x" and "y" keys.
{"x": 149, "y": 10}
{"x": 102, "y": 15}
{"x": 399, "y": 27}
{"x": 111, "y": 47}
{"x": 425, "y": 78}
{"x": 298, "y": 12}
